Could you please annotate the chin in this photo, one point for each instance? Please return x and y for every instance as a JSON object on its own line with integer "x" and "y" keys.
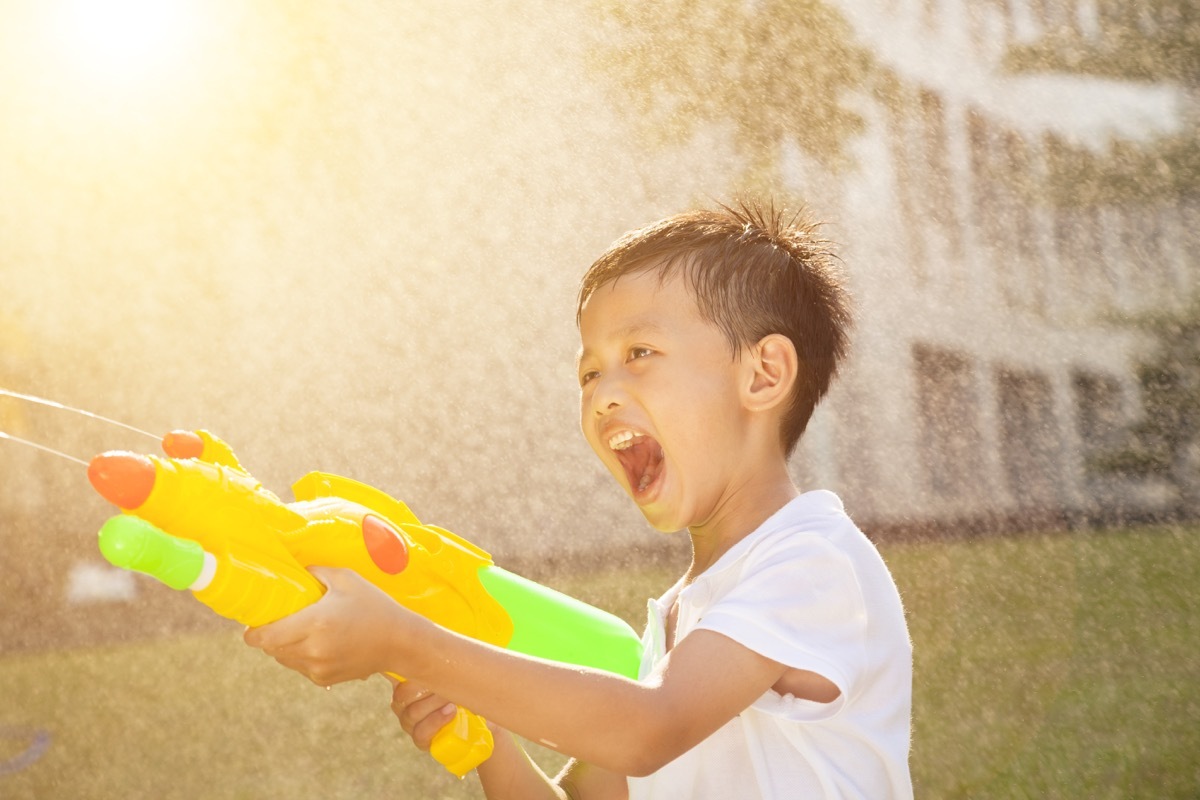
{"x": 666, "y": 528}
{"x": 661, "y": 522}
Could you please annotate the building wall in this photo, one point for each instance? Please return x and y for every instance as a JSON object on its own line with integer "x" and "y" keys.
{"x": 988, "y": 368}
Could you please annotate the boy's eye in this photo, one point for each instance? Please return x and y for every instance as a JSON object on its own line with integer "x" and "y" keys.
{"x": 639, "y": 352}
{"x": 588, "y": 377}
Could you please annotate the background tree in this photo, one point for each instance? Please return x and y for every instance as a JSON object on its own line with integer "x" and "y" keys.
{"x": 1151, "y": 41}
{"x": 772, "y": 69}
{"x": 1165, "y": 442}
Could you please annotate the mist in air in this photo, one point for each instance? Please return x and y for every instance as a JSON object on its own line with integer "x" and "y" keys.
{"x": 348, "y": 237}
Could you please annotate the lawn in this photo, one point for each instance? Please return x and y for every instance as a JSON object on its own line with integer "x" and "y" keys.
{"x": 1064, "y": 665}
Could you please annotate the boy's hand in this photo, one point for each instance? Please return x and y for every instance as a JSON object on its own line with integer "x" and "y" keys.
{"x": 341, "y": 637}
{"x": 421, "y": 712}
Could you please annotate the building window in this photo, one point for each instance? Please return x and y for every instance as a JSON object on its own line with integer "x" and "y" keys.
{"x": 1079, "y": 248}
{"x": 1099, "y": 416}
{"x": 948, "y": 409}
{"x": 1042, "y": 13}
{"x": 899, "y": 120}
{"x": 924, "y": 191}
{"x": 1055, "y": 16}
{"x": 1022, "y": 275}
{"x": 937, "y": 188}
{"x": 1030, "y": 444}
{"x": 1146, "y": 250}
{"x": 983, "y": 181}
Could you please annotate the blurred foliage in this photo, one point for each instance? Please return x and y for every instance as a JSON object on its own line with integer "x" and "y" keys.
{"x": 773, "y": 70}
{"x": 1167, "y": 169}
{"x": 1152, "y": 41}
{"x": 1165, "y": 441}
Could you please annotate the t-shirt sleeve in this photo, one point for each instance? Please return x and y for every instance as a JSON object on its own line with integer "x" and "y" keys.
{"x": 798, "y": 602}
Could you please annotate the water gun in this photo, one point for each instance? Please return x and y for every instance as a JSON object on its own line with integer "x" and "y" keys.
{"x": 198, "y": 520}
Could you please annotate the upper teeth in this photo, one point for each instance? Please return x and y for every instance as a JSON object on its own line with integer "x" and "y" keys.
{"x": 622, "y": 440}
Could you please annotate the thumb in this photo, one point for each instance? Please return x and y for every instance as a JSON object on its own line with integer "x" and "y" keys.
{"x": 330, "y": 577}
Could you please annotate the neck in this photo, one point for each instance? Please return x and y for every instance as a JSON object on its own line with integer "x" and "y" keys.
{"x": 738, "y": 515}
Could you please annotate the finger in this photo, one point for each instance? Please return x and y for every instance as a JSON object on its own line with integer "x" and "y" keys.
{"x": 405, "y": 692}
{"x": 424, "y": 729}
{"x": 413, "y": 709}
{"x": 277, "y": 635}
{"x": 300, "y": 657}
{"x": 318, "y": 670}
{"x": 409, "y": 709}
{"x": 286, "y": 631}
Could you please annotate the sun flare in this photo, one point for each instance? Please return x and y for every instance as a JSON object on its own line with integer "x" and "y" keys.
{"x": 122, "y": 44}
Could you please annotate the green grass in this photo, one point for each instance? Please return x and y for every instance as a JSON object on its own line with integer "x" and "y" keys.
{"x": 1056, "y": 667}
{"x": 1046, "y": 666}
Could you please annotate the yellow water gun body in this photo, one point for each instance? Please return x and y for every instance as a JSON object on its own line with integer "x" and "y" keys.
{"x": 198, "y": 520}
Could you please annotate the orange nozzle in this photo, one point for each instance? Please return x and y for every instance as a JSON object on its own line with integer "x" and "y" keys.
{"x": 384, "y": 545}
{"x": 183, "y": 444}
{"x": 123, "y": 479}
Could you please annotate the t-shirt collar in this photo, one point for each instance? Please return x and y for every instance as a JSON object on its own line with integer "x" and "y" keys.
{"x": 816, "y": 502}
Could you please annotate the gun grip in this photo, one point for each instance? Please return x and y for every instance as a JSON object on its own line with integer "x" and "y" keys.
{"x": 463, "y": 743}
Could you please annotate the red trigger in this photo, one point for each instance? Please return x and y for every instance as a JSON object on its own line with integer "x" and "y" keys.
{"x": 384, "y": 545}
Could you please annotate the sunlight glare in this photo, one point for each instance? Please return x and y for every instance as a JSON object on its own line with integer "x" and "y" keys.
{"x": 122, "y": 43}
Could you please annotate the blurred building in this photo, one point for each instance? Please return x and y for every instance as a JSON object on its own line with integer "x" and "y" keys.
{"x": 989, "y": 370}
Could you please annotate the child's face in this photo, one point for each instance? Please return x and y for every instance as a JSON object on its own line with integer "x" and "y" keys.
{"x": 659, "y": 398}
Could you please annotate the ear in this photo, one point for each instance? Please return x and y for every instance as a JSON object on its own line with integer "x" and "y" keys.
{"x": 774, "y": 369}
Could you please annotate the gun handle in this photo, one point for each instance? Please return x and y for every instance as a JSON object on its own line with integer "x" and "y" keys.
{"x": 463, "y": 743}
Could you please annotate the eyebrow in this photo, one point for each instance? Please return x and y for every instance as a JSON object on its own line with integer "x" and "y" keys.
{"x": 632, "y": 330}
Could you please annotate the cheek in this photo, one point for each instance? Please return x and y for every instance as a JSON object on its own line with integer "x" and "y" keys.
{"x": 583, "y": 414}
{"x": 588, "y": 431}
{"x": 706, "y": 430}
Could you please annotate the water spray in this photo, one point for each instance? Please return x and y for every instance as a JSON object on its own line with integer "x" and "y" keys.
{"x": 42, "y": 447}
{"x": 41, "y": 401}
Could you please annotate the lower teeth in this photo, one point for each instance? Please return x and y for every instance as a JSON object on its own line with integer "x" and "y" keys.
{"x": 643, "y": 483}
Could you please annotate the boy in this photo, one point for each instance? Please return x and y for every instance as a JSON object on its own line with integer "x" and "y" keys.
{"x": 779, "y": 665}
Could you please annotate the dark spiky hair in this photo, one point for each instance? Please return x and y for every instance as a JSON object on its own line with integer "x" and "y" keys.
{"x": 753, "y": 271}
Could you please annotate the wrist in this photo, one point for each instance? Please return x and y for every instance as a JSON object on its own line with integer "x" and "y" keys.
{"x": 406, "y": 649}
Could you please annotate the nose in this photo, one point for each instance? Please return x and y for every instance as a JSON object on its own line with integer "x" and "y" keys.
{"x": 608, "y": 395}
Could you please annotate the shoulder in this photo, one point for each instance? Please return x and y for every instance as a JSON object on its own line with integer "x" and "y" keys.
{"x": 804, "y": 569}
{"x": 802, "y": 556}
{"x": 813, "y": 527}
{"x": 791, "y": 592}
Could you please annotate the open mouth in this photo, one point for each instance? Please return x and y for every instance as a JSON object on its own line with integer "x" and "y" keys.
{"x": 640, "y": 456}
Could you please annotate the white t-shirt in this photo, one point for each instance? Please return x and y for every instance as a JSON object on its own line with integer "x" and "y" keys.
{"x": 809, "y": 590}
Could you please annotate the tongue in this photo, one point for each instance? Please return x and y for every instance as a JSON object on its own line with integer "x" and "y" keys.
{"x": 642, "y": 462}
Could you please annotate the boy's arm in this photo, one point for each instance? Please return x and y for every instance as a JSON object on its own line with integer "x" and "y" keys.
{"x": 623, "y": 726}
{"x": 509, "y": 774}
